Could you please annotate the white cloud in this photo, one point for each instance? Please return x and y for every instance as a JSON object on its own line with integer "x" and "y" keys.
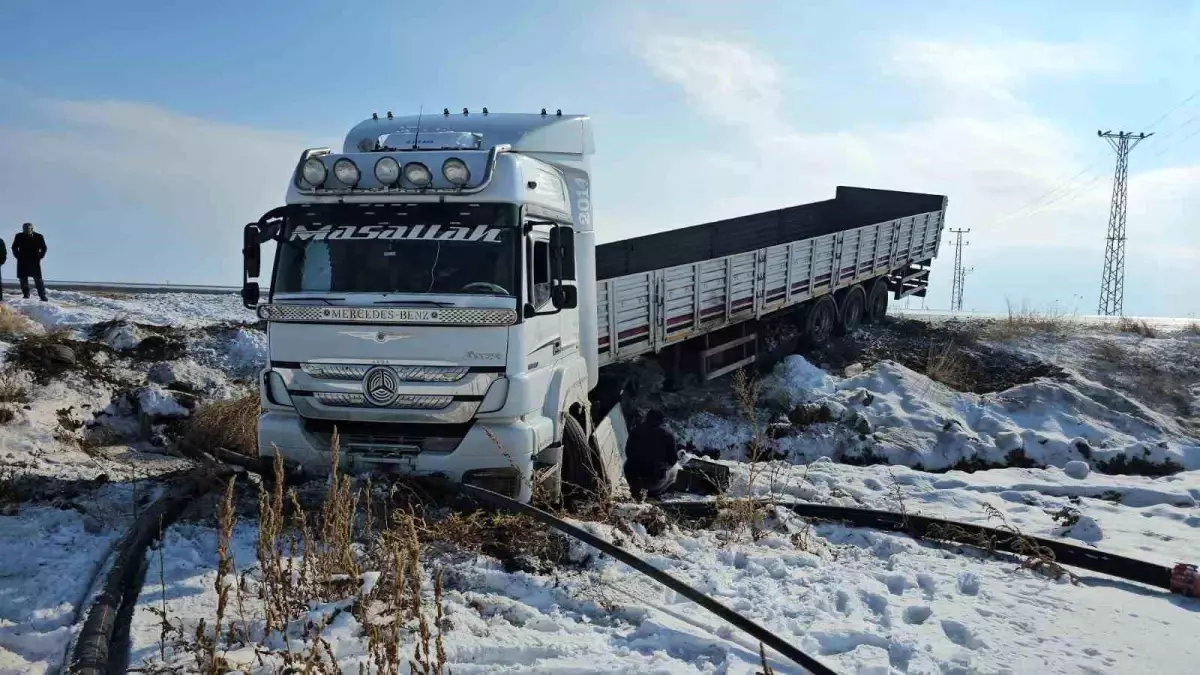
{"x": 126, "y": 190}
{"x": 981, "y": 145}
{"x": 993, "y": 71}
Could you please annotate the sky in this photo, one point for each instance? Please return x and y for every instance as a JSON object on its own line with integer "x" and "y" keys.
{"x": 140, "y": 137}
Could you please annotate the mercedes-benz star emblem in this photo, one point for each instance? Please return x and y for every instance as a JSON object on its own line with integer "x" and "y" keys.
{"x": 379, "y": 386}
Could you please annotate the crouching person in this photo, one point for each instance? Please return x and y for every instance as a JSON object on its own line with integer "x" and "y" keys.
{"x": 652, "y": 457}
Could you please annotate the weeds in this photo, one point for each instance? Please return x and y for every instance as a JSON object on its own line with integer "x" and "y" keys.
{"x": 14, "y": 323}
{"x": 13, "y": 388}
{"x": 946, "y": 365}
{"x": 1024, "y": 321}
{"x": 231, "y": 424}
{"x": 1192, "y": 328}
{"x": 1136, "y": 327}
{"x": 1034, "y": 556}
{"x": 749, "y": 516}
{"x": 311, "y": 569}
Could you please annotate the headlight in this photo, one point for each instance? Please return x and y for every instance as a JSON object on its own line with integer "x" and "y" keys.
{"x": 346, "y": 171}
{"x": 418, "y": 174}
{"x": 455, "y": 170}
{"x": 387, "y": 170}
{"x": 314, "y": 171}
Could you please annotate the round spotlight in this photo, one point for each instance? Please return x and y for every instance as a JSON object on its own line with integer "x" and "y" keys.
{"x": 314, "y": 172}
{"x": 455, "y": 170}
{"x": 418, "y": 174}
{"x": 346, "y": 171}
{"x": 387, "y": 171}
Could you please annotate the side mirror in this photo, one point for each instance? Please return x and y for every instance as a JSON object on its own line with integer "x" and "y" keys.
{"x": 565, "y": 297}
{"x": 562, "y": 253}
{"x": 251, "y": 251}
{"x": 250, "y": 294}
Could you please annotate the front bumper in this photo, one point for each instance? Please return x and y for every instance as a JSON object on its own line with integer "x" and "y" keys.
{"x": 491, "y": 455}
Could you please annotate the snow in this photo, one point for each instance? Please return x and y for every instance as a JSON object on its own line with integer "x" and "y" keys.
{"x": 863, "y": 601}
{"x": 157, "y": 402}
{"x": 69, "y": 309}
{"x": 52, "y": 559}
{"x": 921, "y": 423}
{"x": 1077, "y": 469}
{"x": 860, "y": 600}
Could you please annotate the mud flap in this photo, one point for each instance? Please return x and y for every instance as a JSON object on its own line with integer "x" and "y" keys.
{"x": 609, "y": 438}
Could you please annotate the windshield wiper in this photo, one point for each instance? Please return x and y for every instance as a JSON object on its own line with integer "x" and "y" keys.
{"x": 328, "y": 301}
{"x": 413, "y": 302}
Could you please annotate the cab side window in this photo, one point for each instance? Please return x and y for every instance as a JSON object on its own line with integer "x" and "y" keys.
{"x": 539, "y": 274}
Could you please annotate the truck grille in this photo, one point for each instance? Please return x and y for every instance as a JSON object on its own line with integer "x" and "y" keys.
{"x": 341, "y": 371}
{"x": 405, "y": 401}
{"x": 377, "y": 437}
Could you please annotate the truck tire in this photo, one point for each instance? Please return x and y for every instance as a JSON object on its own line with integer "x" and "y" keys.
{"x": 581, "y": 475}
{"x": 818, "y": 321}
{"x": 851, "y": 309}
{"x": 877, "y": 301}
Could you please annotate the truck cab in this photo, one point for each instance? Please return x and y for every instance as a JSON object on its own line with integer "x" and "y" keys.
{"x": 432, "y": 301}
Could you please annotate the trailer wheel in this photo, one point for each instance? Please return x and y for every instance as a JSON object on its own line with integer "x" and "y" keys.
{"x": 581, "y": 472}
{"x": 819, "y": 321}
{"x": 877, "y": 301}
{"x": 851, "y": 310}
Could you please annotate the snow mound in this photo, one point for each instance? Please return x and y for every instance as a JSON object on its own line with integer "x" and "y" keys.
{"x": 158, "y": 403}
{"x": 121, "y": 336}
{"x": 72, "y": 310}
{"x": 1077, "y": 469}
{"x": 892, "y": 414}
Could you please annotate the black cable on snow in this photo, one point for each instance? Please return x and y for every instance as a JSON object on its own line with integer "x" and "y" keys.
{"x": 1082, "y": 557}
{"x": 92, "y": 653}
{"x": 756, "y": 631}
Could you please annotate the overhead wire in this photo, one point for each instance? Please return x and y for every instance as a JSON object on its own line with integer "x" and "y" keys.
{"x": 1038, "y": 205}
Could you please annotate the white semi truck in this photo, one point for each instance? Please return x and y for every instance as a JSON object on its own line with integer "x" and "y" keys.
{"x": 438, "y": 297}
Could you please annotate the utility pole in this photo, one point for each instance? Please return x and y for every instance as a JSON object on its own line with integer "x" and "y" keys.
{"x": 956, "y": 288}
{"x": 1112, "y": 283}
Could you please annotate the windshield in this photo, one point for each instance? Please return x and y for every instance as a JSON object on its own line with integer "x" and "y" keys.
{"x": 398, "y": 248}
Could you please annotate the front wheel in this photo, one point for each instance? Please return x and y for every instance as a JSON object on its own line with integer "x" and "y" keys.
{"x": 582, "y": 474}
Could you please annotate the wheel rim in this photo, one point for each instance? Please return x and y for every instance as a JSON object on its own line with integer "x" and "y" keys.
{"x": 822, "y": 322}
{"x": 854, "y": 312}
{"x": 878, "y": 304}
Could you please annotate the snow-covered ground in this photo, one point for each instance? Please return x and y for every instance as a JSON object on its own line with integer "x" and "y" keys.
{"x": 860, "y": 600}
{"x": 71, "y": 309}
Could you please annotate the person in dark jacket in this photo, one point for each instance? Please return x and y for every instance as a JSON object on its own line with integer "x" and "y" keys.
{"x": 3, "y": 259}
{"x": 29, "y": 248}
{"x": 651, "y": 456}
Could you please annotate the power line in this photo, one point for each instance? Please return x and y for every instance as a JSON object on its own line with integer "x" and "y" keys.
{"x": 1064, "y": 189}
{"x": 956, "y": 287}
{"x": 1112, "y": 282}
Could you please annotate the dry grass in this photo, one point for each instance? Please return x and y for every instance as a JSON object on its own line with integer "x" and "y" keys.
{"x": 1127, "y": 325}
{"x": 312, "y": 559}
{"x": 946, "y": 365}
{"x": 14, "y": 323}
{"x": 1025, "y": 321}
{"x": 13, "y": 387}
{"x": 1034, "y": 557}
{"x": 767, "y": 477}
{"x": 231, "y": 424}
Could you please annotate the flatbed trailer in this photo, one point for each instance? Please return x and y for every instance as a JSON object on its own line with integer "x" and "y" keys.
{"x": 661, "y": 290}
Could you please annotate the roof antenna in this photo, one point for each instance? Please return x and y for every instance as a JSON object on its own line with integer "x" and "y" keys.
{"x": 417, "y": 135}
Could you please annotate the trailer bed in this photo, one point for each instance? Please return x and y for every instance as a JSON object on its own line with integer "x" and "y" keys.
{"x": 665, "y": 288}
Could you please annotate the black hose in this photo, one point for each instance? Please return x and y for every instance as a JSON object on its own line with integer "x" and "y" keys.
{"x": 756, "y": 631}
{"x": 93, "y": 648}
{"x": 1082, "y": 557}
